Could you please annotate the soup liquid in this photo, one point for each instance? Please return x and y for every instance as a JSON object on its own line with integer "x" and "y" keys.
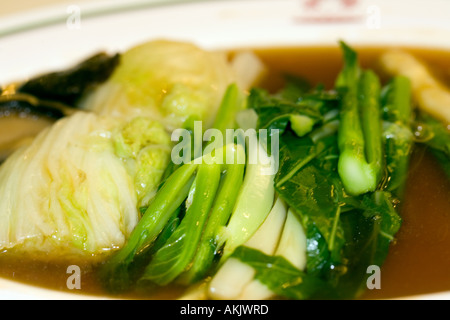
{"x": 419, "y": 259}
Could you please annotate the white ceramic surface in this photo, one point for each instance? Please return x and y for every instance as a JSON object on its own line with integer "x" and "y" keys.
{"x": 59, "y": 36}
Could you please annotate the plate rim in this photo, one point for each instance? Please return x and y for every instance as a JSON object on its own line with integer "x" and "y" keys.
{"x": 49, "y": 15}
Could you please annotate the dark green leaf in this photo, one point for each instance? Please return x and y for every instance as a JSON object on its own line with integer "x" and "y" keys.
{"x": 369, "y": 233}
{"x": 307, "y": 180}
{"x": 278, "y": 274}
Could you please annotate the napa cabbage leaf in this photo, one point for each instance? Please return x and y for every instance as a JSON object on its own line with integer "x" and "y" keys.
{"x": 75, "y": 190}
{"x": 168, "y": 81}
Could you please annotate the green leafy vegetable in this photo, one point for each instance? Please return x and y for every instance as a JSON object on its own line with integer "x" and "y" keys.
{"x": 253, "y": 204}
{"x": 220, "y": 213}
{"x": 435, "y": 135}
{"x": 115, "y": 273}
{"x": 330, "y": 178}
{"x": 301, "y": 112}
{"x": 369, "y": 232}
{"x": 397, "y": 133}
{"x": 176, "y": 254}
{"x": 315, "y": 193}
{"x": 187, "y": 185}
{"x": 361, "y": 156}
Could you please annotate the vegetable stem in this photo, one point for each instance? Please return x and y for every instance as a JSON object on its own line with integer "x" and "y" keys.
{"x": 231, "y": 104}
{"x": 359, "y": 138}
{"x": 253, "y": 204}
{"x": 115, "y": 273}
{"x": 220, "y": 213}
{"x": 174, "y": 257}
{"x": 369, "y": 94}
{"x": 397, "y": 132}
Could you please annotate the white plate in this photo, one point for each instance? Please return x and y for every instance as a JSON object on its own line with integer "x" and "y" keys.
{"x": 59, "y": 36}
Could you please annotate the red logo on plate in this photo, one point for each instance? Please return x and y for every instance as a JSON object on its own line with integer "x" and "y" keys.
{"x": 329, "y": 11}
{"x": 315, "y": 3}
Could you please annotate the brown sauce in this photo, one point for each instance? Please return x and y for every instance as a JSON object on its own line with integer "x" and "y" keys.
{"x": 17, "y": 130}
{"x": 419, "y": 260}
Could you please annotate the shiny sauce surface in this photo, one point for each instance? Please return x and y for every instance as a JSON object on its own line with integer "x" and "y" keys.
{"x": 419, "y": 259}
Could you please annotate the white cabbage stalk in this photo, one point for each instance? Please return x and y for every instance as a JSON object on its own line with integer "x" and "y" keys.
{"x": 170, "y": 82}
{"x": 248, "y": 69}
{"x": 292, "y": 247}
{"x": 68, "y": 192}
{"x": 234, "y": 276}
{"x": 235, "y": 279}
{"x": 254, "y": 202}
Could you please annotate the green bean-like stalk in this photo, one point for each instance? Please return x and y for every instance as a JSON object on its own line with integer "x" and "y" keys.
{"x": 220, "y": 213}
{"x": 173, "y": 258}
{"x": 359, "y": 137}
{"x": 399, "y": 139}
{"x": 115, "y": 272}
{"x": 193, "y": 184}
